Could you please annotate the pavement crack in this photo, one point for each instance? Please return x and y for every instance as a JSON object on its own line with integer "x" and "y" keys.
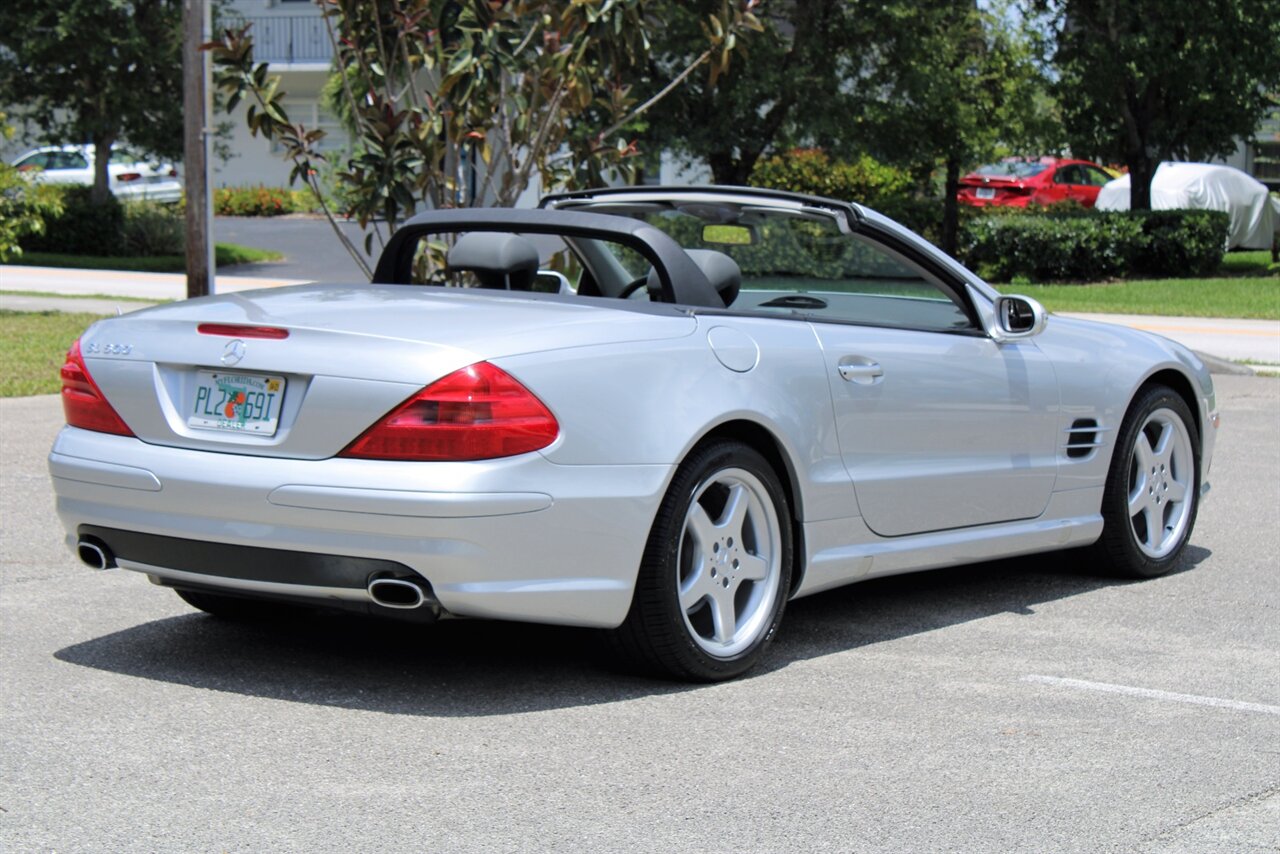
{"x": 1244, "y": 800}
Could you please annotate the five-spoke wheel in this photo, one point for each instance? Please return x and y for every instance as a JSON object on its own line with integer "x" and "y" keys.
{"x": 730, "y": 562}
{"x": 1151, "y": 496}
{"x": 717, "y": 568}
{"x": 1162, "y": 478}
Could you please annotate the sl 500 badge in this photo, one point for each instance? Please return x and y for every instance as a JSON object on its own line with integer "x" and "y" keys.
{"x": 95, "y": 349}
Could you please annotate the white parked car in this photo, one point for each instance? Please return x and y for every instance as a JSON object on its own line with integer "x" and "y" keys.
{"x": 1255, "y": 214}
{"x": 132, "y": 176}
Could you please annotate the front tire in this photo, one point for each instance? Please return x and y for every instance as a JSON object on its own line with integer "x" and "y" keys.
{"x": 716, "y": 571}
{"x": 1152, "y": 491}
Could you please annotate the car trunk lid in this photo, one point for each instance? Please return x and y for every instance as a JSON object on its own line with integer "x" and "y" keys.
{"x": 338, "y": 360}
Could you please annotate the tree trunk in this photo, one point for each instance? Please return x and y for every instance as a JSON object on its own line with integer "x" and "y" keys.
{"x": 950, "y": 207}
{"x": 195, "y": 152}
{"x": 729, "y": 170}
{"x": 101, "y": 177}
{"x": 1142, "y": 169}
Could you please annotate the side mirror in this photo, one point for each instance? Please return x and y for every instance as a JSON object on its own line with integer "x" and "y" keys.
{"x": 1019, "y": 317}
{"x": 1010, "y": 317}
{"x": 551, "y": 282}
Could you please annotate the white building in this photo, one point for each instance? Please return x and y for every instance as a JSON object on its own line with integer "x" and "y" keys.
{"x": 291, "y": 36}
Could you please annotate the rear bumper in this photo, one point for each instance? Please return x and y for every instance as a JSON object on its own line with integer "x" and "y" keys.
{"x": 519, "y": 538}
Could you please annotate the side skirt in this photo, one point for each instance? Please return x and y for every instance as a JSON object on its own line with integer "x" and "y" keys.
{"x": 843, "y": 551}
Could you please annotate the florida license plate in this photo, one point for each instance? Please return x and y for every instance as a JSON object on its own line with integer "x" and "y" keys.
{"x": 238, "y": 403}
{"x": 986, "y": 192}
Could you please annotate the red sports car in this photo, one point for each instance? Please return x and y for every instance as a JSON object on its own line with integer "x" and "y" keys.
{"x": 1018, "y": 183}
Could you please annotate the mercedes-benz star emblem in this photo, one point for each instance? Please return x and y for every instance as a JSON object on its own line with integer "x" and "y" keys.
{"x": 233, "y": 352}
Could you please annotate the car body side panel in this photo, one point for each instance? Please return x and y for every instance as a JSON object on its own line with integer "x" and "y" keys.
{"x": 955, "y": 431}
{"x": 660, "y": 400}
{"x": 1100, "y": 368}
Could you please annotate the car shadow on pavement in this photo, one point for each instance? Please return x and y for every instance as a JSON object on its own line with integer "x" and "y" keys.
{"x": 888, "y": 608}
{"x": 467, "y": 668}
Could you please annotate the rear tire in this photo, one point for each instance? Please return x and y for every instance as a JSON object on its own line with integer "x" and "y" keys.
{"x": 1152, "y": 491}
{"x": 716, "y": 571}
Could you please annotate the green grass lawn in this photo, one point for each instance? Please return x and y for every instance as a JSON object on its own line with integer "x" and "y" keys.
{"x": 225, "y": 254}
{"x": 1253, "y": 263}
{"x": 112, "y": 297}
{"x": 32, "y": 348}
{"x": 1255, "y": 298}
{"x": 1246, "y": 285}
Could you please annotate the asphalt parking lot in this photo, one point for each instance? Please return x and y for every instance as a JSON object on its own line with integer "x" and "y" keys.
{"x": 1023, "y": 705}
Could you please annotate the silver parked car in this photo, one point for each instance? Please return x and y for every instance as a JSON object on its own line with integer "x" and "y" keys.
{"x": 659, "y": 412}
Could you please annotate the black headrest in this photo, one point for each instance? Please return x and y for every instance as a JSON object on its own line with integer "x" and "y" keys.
{"x": 498, "y": 260}
{"x": 721, "y": 271}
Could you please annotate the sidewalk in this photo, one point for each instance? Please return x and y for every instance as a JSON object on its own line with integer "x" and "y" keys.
{"x": 1253, "y": 341}
{"x": 1220, "y": 341}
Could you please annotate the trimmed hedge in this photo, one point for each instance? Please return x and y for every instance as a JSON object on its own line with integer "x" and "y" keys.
{"x": 82, "y": 228}
{"x": 1093, "y": 245}
{"x": 110, "y": 230}
{"x": 1181, "y": 242}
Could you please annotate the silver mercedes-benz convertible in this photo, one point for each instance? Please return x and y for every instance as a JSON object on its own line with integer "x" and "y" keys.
{"x": 663, "y": 412}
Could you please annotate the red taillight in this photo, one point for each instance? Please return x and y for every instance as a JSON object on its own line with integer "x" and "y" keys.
{"x": 236, "y": 330}
{"x": 126, "y": 177}
{"x": 82, "y": 400}
{"x": 477, "y": 413}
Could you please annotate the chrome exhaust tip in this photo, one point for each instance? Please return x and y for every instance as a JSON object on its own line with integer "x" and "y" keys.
{"x": 95, "y": 554}
{"x": 397, "y": 593}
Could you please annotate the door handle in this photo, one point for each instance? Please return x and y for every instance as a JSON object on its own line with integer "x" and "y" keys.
{"x": 860, "y": 370}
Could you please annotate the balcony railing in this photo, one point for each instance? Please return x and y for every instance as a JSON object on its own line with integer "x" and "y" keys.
{"x": 286, "y": 38}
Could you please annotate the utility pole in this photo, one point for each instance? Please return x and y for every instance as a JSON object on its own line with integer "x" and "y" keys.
{"x": 196, "y": 121}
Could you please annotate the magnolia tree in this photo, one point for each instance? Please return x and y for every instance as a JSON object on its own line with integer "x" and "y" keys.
{"x": 463, "y": 104}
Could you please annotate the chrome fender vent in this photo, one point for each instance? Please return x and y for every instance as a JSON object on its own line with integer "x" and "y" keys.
{"x": 1083, "y": 437}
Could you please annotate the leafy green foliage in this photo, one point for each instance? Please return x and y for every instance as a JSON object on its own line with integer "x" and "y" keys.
{"x": 24, "y": 204}
{"x": 793, "y": 83}
{"x": 152, "y": 229}
{"x": 1091, "y": 246}
{"x": 812, "y": 171}
{"x": 1051, "y": 248}
{"x": 1142, "y": 81}
{"x": 1181, "y": 242}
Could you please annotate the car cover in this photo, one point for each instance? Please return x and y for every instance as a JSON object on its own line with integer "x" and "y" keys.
{"x": 1255, "y": 214}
